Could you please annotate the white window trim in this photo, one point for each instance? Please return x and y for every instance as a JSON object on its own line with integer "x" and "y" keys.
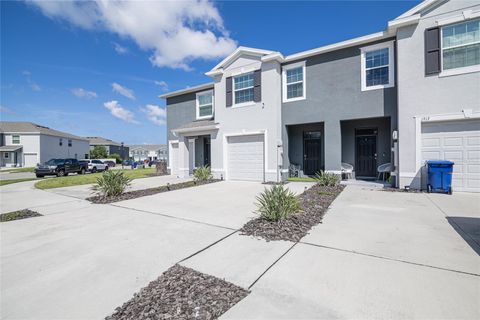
{"x": 198, "y": 104}
{"x": 15, "y": 135}
{"x": 455, "y": 71}
{"x": 391, "y": 65}
{"x": 284, "y": 81}
{"x": 6, "y": 155}
{"x": 242, "y": 104}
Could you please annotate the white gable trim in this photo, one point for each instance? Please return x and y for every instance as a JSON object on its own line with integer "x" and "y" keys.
{"x": 418, "y": 8}
{"x": 234, "y": 55}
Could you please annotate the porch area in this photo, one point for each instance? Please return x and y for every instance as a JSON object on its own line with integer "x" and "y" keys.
{"x": 11, "y": 156}
{"x": 354, "y": 148}
{"x": 192, "y": 149}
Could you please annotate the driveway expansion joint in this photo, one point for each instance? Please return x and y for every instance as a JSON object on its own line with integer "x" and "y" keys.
{"x": 207, "y": 247}
{"x": 390, "y": 259}
{"x": 172, "y": 217}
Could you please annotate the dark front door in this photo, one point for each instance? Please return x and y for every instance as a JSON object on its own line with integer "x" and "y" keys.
{"x": 206, "y": 152}
{"x": 312, "y": 152}
{"x": 366, "y": 154}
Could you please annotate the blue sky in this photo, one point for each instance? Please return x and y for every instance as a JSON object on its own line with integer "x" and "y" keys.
{"x": 96, "y": 69}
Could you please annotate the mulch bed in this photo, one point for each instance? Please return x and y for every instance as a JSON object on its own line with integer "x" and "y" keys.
{"x": 181, "y": 293}
{"x": 148, "y": 192}
{"x": 314, "y": 202}
{"x": 17, "y": 215}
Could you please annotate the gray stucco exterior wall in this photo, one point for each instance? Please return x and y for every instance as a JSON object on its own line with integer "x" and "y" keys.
{"x": 333, "y": 94}
{"x": 180, "y": 111}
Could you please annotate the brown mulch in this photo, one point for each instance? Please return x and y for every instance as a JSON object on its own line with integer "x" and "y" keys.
{"x": 148, "y": 192}
{"x": 17, "y": 215}
{"x": 181, "y": 293}
{"x": 314, "y": 202}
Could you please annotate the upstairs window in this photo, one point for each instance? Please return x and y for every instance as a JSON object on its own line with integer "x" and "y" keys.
{"x": 377, "y": 66}
{"x": 15, "y": 139}
{"x": 294, "y": 82}
{"x": 461, "y": 45}
{"x": 69, "y": 143}
{"x": 60, "y": 142}
{"x": 205, "y": 105}
{"x": 243, "y": 88}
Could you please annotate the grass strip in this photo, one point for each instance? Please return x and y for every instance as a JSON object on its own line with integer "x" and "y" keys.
{"x": 81, "y": 179}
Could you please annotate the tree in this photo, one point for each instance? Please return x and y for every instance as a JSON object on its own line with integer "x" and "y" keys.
{"x": 98, "y": 152}
{"x": 116, "y": 156}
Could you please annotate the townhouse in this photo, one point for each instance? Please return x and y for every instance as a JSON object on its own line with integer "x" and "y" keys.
{"x": 111, "y": 146}
{"x": 401, "y": 96}
{"x": 151, "y": 152}
{"x": 24, "y": 144}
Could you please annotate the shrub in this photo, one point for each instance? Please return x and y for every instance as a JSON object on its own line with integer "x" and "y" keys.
{"x": 111, "y": 183}
{"x": 327, "y": 179}
{"x": 277, "y": 203}
{"x": 98, "y": 152}
{"x": 202, "y": 174}
{"x": 115, "y": 156}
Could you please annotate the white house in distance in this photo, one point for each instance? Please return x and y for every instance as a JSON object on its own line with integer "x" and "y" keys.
{"x": 24, "y": 144}
{"x": 141, "y": 152}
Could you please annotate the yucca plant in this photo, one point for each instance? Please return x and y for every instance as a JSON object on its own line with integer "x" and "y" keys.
{"x": 327, "y": 179}
{"x": 111, "y": 183}
{"x": 277, "y": 203}
{"x": 202, "y": 174}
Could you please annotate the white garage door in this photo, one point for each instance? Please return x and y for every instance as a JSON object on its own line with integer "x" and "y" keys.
{"x": 457, "y": 141}
{"x": 31, "y": 159}
{"x": 174, "y": 159}
{"x": 245, "y": 157}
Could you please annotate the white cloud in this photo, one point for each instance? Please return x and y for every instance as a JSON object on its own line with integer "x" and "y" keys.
{"x": 155, "y": 114}
{"x": 176, "y": 32}
{"x": 82, "y": 93}
{"x": 162, "y": 84}
{"x": 120, "y": 49}
{"x": 123, "y": 91}
{"x": 6, "y": 110}
{"x": 28, "y": 76}
{"x": 119, "y": 112}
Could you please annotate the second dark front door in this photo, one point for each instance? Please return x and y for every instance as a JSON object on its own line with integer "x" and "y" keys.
{"x": 366, "y": 155}
{"x": 312, "y": 152}
{"x": 206, "y": 152}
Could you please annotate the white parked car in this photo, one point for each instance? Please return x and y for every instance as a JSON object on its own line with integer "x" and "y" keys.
{"x": 95, "y": 165}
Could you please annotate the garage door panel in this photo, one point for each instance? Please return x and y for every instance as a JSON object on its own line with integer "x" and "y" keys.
{"x": 245, "y": 157}
{"x": 457, "y": 141}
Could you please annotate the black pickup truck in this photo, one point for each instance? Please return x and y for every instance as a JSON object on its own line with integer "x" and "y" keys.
{"x": 60, "y": 167}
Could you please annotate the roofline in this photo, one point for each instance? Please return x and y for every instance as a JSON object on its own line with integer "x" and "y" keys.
{"x": 74, "y": 137}
{"x": 419, "y": 7}
{"x": 239, "y": 51}
{"x": 339, "y": 45}
{"x": 200, "y": 87}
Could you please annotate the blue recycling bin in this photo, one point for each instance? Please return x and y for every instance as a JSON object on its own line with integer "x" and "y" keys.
{"x": 439, "y": 176}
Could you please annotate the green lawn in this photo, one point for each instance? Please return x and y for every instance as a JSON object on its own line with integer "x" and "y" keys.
{"x": 304, "y": 179}
{"x": 75, "y": 180}
{"x": 12, "y": 170}
{"x": 5, "y": 182}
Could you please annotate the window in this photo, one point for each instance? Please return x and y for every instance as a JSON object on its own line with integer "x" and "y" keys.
{"x": 205, "y": 105}
{"x": 60, "y": 142}
{"x": 243, "y": 88}
{"x": 15, "y": 139}
{"x": 69, "y": 142}
{"x": 377, "y": 66}
{"x": 6, "y": 155}
{"x": 461, "y": 45}
{"x": 294, "y": 82}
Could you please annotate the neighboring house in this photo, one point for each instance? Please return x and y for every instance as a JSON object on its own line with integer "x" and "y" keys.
{"x": 401, "y": 96}
{"x": 111, "y": 146}
{"x": 141, "y": 152}
{"x": 24, "y": 144}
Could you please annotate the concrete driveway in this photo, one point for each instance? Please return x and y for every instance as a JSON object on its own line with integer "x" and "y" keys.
{"x": 377, "y": 255}
{"x": 80, "y": 260}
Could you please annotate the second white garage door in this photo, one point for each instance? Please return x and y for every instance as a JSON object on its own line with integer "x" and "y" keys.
{"x": 245, "y": 157}
{"x": 457, "y": 141}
